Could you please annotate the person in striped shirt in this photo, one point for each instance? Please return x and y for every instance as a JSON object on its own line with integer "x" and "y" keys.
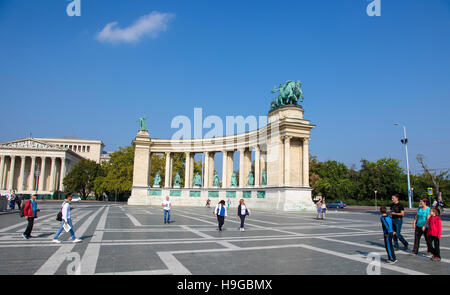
{"x": 388, "y": 233}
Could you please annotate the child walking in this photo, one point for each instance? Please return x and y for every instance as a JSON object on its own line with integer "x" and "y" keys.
{"x": 434, "y": 234}
{"x": 388, "y": 232}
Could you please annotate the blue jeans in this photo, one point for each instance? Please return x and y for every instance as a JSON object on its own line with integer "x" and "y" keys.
{"x": 69, "y": 221}
{"x": 397, "y": 225}
{"x": 166, "y": 216}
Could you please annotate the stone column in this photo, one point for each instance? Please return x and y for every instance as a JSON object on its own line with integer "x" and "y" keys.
{"x": 52, "y": 174}
{"x": 63, "y": 174}
{"x": 247, "y": 164}
{"x": 22, "y": 172}
{"x": 230, "y": 166}
{"x": 287, "y": 160}
{"x": 187, "y": 169}
{"x": 2, "y": 168}
{"x": 191, "y": 166}
{"x": 32, "y": 172}
{"x": 305, "y": 160}
{"x": 257, "y": 166}
{"x": 168, "y": 172}
{"x": 142, "y": 160}
{"x": 206, "y": 175}
{"x": 241, "y": 167}
{"x": 12, "y": 170}
{"x": 211, "y": 169}
{"x": 42, "y": 175}
{"x": 224, "y": 169}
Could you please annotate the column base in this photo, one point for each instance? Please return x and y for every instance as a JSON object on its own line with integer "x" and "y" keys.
{"x": 265, "y": 198}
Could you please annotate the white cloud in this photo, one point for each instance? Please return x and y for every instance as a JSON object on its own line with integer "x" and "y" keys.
{"x": 148, "y": 25}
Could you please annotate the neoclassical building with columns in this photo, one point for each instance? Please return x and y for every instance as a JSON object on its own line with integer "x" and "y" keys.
{"x": 39, "y": 164}
{"x": 281, "y": 154}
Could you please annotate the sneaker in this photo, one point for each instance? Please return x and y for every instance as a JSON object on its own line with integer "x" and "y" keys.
{"x": 25, "y": 237}
{"x": 243, "y": 229}
{"x": 77, "y": 241}
{"x": 405, "y": 247}
{"x": 392, "y": 262}
{"x": 56, "y": 241}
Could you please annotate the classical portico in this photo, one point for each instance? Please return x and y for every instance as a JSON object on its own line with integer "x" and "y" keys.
{"x": 280, "y": 153}
{"x": 29, "y": 165}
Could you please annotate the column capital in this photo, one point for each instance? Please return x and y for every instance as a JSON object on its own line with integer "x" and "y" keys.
{"x": 306, "y": 139}
{"x": 287, "y": 137}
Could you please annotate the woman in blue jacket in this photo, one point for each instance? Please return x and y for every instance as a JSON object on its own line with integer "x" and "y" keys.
{"x": 221, "y": 212}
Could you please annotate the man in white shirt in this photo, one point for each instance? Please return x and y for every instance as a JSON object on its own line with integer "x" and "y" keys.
{"x": 66, "y": 220}
{"x": 167, "y": 206}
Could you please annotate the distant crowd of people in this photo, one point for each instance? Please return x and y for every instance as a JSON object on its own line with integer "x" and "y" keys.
{"x": 11, "y": 201}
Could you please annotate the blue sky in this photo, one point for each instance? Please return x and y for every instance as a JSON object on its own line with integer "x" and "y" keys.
{"x": 360, "y": 74}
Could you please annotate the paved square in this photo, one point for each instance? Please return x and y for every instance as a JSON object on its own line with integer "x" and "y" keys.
{"x": 121, "y": 239}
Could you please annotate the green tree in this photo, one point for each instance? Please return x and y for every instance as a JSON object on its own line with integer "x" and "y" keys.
{"x": 81, "y": 178}
{"x": 116, "y": 176}
{"x": 385, "y": 175}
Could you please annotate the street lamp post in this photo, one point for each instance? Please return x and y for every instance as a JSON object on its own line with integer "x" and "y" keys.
{"x": 37, "y": 173}
{"x": 375, "y": 191}
{"x": 405, "y": 142}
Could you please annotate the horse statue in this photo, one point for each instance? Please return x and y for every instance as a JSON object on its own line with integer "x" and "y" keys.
{"x": 290, "y": 93}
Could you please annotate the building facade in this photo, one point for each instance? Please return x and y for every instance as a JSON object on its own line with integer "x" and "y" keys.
{"x": 40, "y": 164}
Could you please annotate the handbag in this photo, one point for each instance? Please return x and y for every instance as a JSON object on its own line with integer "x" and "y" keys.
{"x": 59, "y": 215}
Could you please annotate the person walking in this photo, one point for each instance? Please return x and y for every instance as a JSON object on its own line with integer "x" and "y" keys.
{"x": 319, "y": 209}
{"x": 388, "y": 233}
{"x": 242, "y": 213}
{"x": 324, "y": 209}
{"x": 30, "y": 211}
{"x": 229, "y": 203}
{"x": 421, "y": 225}
{"x": 66, "y": 220}
{"x": 167, "y": 206}
{"x": 221, "y": 213}
{"x": 12, "y": 200}
{"x": 434, "y": 234}
{"x": 19, "y": 201}
{"x": 397, "y": 213}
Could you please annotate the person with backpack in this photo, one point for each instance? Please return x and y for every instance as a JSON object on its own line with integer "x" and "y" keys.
{"x": 388, "y": 233}
{"x": 66, "y": 219}
{"x": 29, "y": 211}
{"x": 242, "y": 213}
{"x": 221, "y": 213}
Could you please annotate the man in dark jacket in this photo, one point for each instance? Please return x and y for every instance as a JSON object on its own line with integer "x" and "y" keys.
{"x": 30, "y": 211}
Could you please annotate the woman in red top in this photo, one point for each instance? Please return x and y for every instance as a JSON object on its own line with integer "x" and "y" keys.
{"x": 434, "y": 234}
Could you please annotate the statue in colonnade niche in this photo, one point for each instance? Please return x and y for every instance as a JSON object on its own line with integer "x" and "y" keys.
{"x": 216, "y": 182}
{"x": 250, "y": 179}
{"x": 264, "y": 177}
{"x": 157, "y": 180}
{"x": 233, "y": 180}
{"x": 197, "y": 180}
{"x": 177, "y": 181}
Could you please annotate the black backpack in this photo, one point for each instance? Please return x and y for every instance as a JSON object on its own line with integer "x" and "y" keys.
{"x": 59, "y": 215}
{"x": 21, "y": 210}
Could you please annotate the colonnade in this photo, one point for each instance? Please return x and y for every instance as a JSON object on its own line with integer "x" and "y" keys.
{"x": 290, "y": 167}
{"x": 18, "y": 172}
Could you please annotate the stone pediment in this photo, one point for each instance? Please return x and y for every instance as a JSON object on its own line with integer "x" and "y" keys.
{"x": 30, "y": 144}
